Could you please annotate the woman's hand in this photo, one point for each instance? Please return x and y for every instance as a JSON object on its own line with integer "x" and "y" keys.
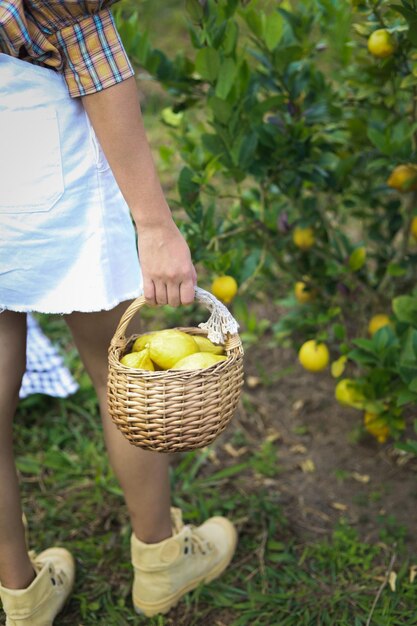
{"x": 169, "y": 276}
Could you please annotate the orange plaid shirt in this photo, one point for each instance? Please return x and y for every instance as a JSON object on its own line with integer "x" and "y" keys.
{"x": 77, "y": 38}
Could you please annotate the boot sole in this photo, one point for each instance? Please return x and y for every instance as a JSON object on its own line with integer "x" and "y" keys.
{"x": 151, "y": 609}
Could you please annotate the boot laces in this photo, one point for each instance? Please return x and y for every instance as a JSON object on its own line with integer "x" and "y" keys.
{"x": 198, "y": 543}
{"x": 56, "y": 579}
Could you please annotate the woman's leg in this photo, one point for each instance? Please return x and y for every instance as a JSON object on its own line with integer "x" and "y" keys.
{"x": 143, "y": 476}
{"x": 16, "y": 571}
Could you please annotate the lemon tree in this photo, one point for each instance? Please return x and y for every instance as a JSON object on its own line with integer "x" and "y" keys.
{"x": 296, "y": 125}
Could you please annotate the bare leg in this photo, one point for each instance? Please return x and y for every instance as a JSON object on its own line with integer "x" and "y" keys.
{"x": 143, "y": 475}
{"x": 16, "y": 571}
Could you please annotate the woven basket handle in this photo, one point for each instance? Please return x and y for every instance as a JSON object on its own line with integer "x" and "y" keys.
{"x": 220, "y": 324}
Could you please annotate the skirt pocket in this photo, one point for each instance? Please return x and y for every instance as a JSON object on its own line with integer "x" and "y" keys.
{"x": 31, "y": 178}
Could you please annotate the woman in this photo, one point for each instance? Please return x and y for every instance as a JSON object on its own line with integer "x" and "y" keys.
{"x": 75, "y": 165}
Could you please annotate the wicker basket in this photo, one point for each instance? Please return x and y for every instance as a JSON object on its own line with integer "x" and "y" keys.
{"x": 175, "y": 410}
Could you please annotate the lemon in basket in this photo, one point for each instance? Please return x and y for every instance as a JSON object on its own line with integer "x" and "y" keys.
{"x": 167, "y": 347}
{"x": 206, "y": 345}
{"x": 139, "y": 360}
{"x": 198, "y": 361}
{"x": 141, "y": 342}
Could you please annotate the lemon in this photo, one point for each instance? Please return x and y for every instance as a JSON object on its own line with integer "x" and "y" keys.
{"x": 206, "y": 345}
{"x": 376, "y": 426}
{"x": 141, "y": 342}
{"x": 378, "y": 321}
{"x": 403, "y": 178}
{"x": 413, "y": 228}
{"x": 303, "y": 237}
{"x": 338, "y": 367}
{"x": 138, "y": 360}
{"x": 314, "y": 356}
{"x": 348, "y": 394}
{"x": 302, "y": 292}
{"x": 166, "y": 347}
{"x": 171, "y": 118}
{"x": 198, "y": 361}
{"x": 381, "y": 44}
{"x": 224, "y": 288}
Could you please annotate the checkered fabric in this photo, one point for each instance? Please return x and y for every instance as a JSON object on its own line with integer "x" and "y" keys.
{"x": 76, "y": 38}
{"x": 45, "y": 369}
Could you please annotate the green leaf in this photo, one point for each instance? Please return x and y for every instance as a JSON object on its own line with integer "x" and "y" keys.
{"x": 396, "y": 270}
{"x": 406, "y": 397}
{"x": 194, "y": 9}
{"x": 405, "y": 308}
{"x": 230, "y": 38}
{"x": 378, "y": 139}
{"x": 207, "y": 63}
{"x": 256, "y": 22}
{"x": 274, "y": 28}
{"x": 408, "y": 357}
{"x": 226, "y": 77}
{"x": 221, "y": 108}
{"x": 188, "y": 189}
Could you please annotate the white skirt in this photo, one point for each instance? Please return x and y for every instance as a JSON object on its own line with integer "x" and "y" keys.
{"x": 67, "y": 242}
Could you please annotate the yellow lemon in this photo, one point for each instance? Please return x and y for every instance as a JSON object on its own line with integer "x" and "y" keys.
{"x": 198, "y": 361}
{"x": 413, "y": 228}
{"x": 141, "y": 342}
{"x": 338, "y": 367}
{"x": 314, "y": 356}
{"x": 303, "y": 237}
{"x": 166, "y": 347}
{"x": 302, "y": 292}
{"x": 347, "y": 393}
{"x": 381, "y": 44}
{"x": 376, "y": 426}
{"x": 138, "y": 360}
{"x": 403, "y": 178}
{"x": 206, "y": 345}
{"x": 378, "y": 321}
{"x": 224, "y": 288}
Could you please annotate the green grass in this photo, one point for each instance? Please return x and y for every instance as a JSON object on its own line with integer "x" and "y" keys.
{"x": 71, "y": 497}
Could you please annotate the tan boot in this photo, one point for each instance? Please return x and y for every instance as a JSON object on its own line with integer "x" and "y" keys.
{"x": 39, "y": 604}
{"x": 165, "y": 571}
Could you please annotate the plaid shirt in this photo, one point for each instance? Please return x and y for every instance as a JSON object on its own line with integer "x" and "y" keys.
{"x": 77, "y": 38}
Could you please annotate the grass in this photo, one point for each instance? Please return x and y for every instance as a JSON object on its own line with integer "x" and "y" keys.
{"x": 71, "y": 497}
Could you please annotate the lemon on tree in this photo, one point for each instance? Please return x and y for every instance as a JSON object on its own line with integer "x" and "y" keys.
{"x": 166, "y": 347}
{"x": 206, "y": 345}
{"x": 381, "y": 44}
{"x": 314, "y": 356}
{"x": 348, "y": 394}
{"x": 403, "y": 178}
{"x": 303, "y": 293}
{"x": 198, "y": 361}
{"x": 303, "y": 238}
{"x": 378, "y": 321}
{"x": 376, "y": 426}
{"x": 224, "y": 288}
{"x": 138, "y": 360}
{"x": 413, "y": 227}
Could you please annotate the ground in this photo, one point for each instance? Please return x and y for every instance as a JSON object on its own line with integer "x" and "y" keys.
{"x": 325, "y": 517}
{"x": 324, "y": 473}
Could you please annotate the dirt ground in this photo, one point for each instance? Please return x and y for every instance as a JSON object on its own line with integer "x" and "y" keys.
{"x": 324, "y": 470}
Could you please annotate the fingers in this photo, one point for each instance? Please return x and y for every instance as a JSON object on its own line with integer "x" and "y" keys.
{"x": 187, "y": 291}
{"x": 149, "y": 290}
{"x": 173, "y": 293}
{"x": 161, "y": 292}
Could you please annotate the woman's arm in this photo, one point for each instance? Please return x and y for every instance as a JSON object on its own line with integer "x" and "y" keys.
{"x": 168, "y": 272}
